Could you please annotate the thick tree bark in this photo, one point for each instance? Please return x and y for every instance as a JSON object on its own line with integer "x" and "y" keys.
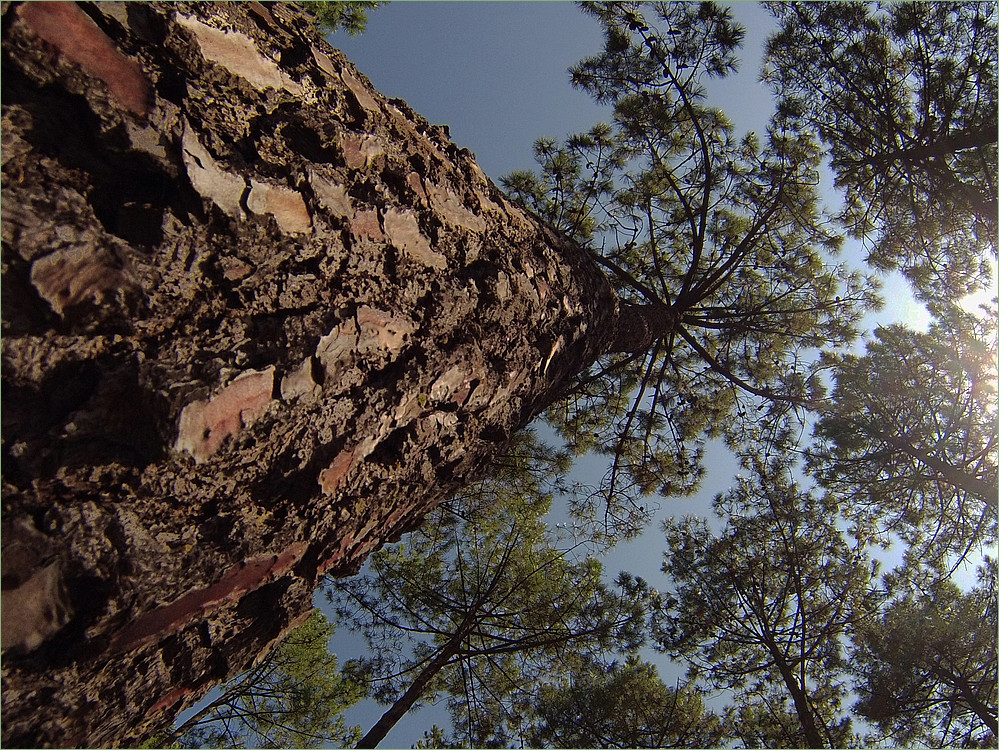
{"x": 257, "y": 320}
{"x": 638, "y": 327}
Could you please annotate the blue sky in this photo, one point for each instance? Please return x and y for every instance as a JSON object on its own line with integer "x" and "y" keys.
{"x": 496, "y": 72}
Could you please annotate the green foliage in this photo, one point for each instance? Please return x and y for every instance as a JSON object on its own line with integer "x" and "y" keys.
{"x": 434, "y": 737}
{"x": 905, "y": 96}
{"x": 480, "y": 604}
{"x": 158, "y": 740}
{"x": 719, "y": 241}
{"x": 349, "y": 15}
{"x": 294, "y": 697}
{"x": 908, "y": 441}
{"x": 767, "y": 721}
{"x": 761, "y": 607}
{"x": 620, "y": 705}
{"x": 927, "y": 668}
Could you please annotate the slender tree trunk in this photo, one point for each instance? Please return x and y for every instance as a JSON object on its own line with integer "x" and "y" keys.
{"x": 800, "y": 700}
{"x": 417, "y": 687}
{"x": 980, "y": 709}
{"x": 257, "y": 320}
{"x": 930, "y": 158}
{"x": 951, "y": 144}
{"x": 985, "y": 491}
{"x": 197, "y": 718}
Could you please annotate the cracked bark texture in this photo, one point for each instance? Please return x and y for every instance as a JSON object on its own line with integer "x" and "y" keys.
{"x": 257, "y": 320}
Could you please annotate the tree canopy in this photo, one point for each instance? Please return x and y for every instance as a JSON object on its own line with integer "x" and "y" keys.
{"x": 349, "y": 15}
{"x": 904, "y": 95}
{"x": 717, "y": 246}
{"x": 908, "y": 439}
{"x": 620, "y": 705}
{"x": 926, "y": 669}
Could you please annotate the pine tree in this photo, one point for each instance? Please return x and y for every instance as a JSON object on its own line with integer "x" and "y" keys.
{"x": 620, "y": 705}
{"x": 716, "y": 246}
{"x": 294, "y": 697}
{"x": 762, "y": 607}
{"x": 908, "y": 439}
{"x": 257, "y": 320}
{"x": 904, "y": 95}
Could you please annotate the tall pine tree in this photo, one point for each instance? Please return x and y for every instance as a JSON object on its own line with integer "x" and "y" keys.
{"x": 620, "y": 705}
{"x": 480, "y": 605}
{"x": 904, "y": 95}
{"x": 763, "y": 606}
{"x": 716, "y": 246}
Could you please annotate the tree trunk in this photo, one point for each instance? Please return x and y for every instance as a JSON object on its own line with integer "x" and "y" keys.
{"x": 257, "y": 320}
{"x": 987, "y": 492}
{"x": 964, "y": 689}
{"x": 943, "y": 146}
{"x": 799, "y": 698}
{"x": 638, "y": 327}
{"x": 418, "y": 686}
{"x": 192, "y": 721}
{"x": 982, "y": 711}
